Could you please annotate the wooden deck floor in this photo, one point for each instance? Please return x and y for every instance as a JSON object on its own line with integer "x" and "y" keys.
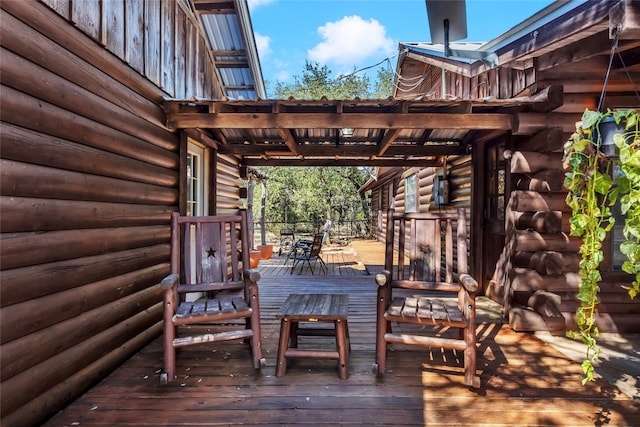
{"x": 340, "y": 261}
{"x": 525, "y": 381}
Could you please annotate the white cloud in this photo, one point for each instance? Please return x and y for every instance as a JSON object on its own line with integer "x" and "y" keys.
{"x": 351, "y": 40}
{"x": 257, "y": 3}
{"x": 263, "y": 43}
{"x": 283, "y": 76}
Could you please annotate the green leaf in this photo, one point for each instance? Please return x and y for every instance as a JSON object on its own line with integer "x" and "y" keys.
{"x": 590, "y": 118}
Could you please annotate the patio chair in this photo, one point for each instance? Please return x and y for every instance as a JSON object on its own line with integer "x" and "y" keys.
{"x": 305, "y": 244}
{"x": 426, "y": 293}
{"x": 307, "y": 254}
{"x": 210, "y": 284}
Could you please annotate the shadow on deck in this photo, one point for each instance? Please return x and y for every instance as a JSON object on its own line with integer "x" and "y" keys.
{"x": 525, "y": 381}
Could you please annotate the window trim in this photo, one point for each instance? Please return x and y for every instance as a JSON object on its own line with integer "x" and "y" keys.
{"x": 411, "y": 197}
{"x": 200, "y": 154}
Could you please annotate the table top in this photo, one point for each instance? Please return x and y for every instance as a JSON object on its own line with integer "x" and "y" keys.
{"x": 314, "y": 307}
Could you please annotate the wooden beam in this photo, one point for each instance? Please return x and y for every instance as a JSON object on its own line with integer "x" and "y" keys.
{"x": 288, "y": 138}
{"x": 544, "y": 141}
{"x": 548, "y": 99}
{"x": 331, "y": 150}
{"x": 597, "y": 44}
{"x": 387, "y": 139}
{"x": 341, "y": 162}
{"x": 425, "y": 136}
{"x": 230, "y": 52}
{"x": 595, "y": 85}
{"x": 215, "y": 6}
{"x": 529, "y": 123}
{"x": 584, "y": 20}
{"x": 237, "y": 63}
{"x": 239, "y": 87}
{"x": 624, "y": 20}
{"x": 336, "y": 121}
{"x": 448, "y": 64}
{"x": 201, "y": 136}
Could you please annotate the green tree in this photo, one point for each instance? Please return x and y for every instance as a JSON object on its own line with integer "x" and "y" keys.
{"x": 313, "y": 194}
{"x": 316, "y": 81}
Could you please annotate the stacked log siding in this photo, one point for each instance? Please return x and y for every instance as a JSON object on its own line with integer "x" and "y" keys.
{"x": 537, "y": 244}
{"x": 90, "y": 176}
{"x": 561, "y": 63}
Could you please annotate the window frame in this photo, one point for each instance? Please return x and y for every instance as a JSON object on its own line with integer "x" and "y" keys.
{"x": 197, "y": 179}
{"x": 411, "y": 197}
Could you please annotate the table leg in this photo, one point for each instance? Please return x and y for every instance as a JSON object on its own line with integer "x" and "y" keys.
{"x": 283, "y": 345}
{"x": 341, "y": 339}
{"x": 294, "y": 334}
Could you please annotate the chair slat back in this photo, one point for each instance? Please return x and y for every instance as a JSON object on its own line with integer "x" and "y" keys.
{"x": 316, "y": 245}
{"x": 425, "y": 246}
{"x": 212, "y": 248}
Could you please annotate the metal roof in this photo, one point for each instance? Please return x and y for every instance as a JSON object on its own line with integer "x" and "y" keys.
{"x": 468, "y": 51}
{"x": 233, "y": 48}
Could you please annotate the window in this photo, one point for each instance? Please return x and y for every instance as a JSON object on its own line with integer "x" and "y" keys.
{"x": 196, "y": 180}
{"x": 411, "y": 193}
{"x": 495, "y": 182}
{"x": 196, "y": 199}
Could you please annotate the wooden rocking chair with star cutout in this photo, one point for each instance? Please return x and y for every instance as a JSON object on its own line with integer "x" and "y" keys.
{"x": 210, "y": 295}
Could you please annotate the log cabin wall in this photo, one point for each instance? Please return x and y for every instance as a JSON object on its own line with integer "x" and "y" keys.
{"x": 90, "y": 175}
{"x": 228, "y": 193}
{"x": 537, "y": 276}
{"x": 538, "y": 264}
{"x": 459, "y": 177}
{"x": 568, "y": 56}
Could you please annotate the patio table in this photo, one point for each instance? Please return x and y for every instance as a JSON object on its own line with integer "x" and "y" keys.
{"x": 313, "y": 308}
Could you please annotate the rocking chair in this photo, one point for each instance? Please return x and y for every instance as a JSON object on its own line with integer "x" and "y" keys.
{"x": 422, "y": 288}
{"x": 210, "y": 283}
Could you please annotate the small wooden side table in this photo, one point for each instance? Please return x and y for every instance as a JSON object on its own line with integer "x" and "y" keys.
{"x": 326, "y": 308}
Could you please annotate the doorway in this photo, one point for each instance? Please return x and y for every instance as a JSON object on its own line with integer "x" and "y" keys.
{"x": 494, "y": 204}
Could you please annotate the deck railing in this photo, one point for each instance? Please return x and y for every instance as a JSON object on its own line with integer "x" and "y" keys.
{"x": 277, "y": 233}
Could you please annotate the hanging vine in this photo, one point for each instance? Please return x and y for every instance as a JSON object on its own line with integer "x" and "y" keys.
{"x": 592, "y": 193}
{"x": 628, "y": 144}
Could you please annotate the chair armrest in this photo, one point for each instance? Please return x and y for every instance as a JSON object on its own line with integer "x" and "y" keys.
{"x": 252, "y": 275}
{"x": 468, "y": 282}
{"x": 383, "y": 278}
{"x": 171, "y": 281}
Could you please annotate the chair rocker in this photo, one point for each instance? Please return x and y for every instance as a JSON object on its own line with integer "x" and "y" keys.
{"x": 307, "y": 254}
{"x": 423, "y": 289}
{"x": 210, "y": 283}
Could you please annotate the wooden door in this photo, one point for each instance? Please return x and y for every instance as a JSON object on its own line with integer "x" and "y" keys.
{"x": 494, "y": 202}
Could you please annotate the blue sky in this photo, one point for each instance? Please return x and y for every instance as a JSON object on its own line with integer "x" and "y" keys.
{"x": 344, "y": 34}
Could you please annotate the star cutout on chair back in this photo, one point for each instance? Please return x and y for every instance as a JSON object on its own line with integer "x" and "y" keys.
{"x": 211, "y": 252}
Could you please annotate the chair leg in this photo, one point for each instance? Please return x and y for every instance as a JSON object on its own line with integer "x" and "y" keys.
{"x": 380, "y": 365}
{"x": 323, "y": 265}
{"x": 169, "y": 355}
{"x": 470, "y": 377}
{"x": 256, "y": 337}
{"x": 381, "y": 354}
{"x": 306, "y": 261}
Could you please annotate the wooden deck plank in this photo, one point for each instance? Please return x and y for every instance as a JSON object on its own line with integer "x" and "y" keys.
{"x": 524, "y": 380}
